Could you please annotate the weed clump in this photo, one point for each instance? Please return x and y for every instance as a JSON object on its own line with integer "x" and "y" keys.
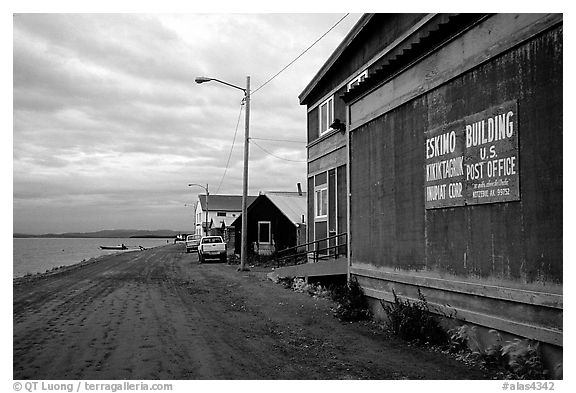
{"x": 515, "y": 359}
{"x": 350, "y": 299}
{"x": 412, "y": 321}
{"x": 286, "y": 282}
{"x": 300, "y": 285}
{"x": 352, "y": 304}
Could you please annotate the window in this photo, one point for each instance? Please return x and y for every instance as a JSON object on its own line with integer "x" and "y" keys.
{"x": 326, "y": 115}
{"x": 212, "y": 240}
{"x": 321, "y": 195}
{"x": 264, "y": 232}
{"x": 321, "y": 202}
{"x": 221, "y": 214}
{"x": 358, "y": 79}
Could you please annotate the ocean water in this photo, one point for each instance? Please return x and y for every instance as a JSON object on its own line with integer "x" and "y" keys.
{"x": 36, "y": 255}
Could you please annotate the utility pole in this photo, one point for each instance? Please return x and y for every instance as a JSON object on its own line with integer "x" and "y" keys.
{"x": 244, "y": 249}
{"x": 207, "y": 209}
{"x": 244, "y": 245}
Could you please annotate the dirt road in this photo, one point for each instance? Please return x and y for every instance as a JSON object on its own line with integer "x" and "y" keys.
{"x": 158, "y": 314}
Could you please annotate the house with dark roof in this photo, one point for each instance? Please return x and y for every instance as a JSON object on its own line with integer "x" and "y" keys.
{"x": 217, "y": 212}
{"x": 276, "y": 221}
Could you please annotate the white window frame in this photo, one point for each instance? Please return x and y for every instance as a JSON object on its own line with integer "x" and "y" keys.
{"x": 329, "y": 115}
{"x": 363, "y": 75}
{"x": 269, "y": 232}
{"x": 321, "y": 195}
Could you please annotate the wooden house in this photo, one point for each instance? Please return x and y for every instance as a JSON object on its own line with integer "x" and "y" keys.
{"x": 222, "y": 210}
{"x": 445, "y": 165}
{"x": 276, "y": 221}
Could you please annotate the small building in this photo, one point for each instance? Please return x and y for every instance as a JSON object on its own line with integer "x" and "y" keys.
{"x": 222, "y": 210}
{"x": 435, "y": 142}
{"x": 276, "y": 221}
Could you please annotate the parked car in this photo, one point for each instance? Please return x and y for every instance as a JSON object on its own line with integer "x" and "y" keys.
{"x": 212, "y": 247}
{"x": 192, "y": 242}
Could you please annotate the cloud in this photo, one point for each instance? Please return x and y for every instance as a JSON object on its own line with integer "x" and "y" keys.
{"x": 108, "y": 120}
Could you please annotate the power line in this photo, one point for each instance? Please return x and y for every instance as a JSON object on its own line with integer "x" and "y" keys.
{"x": 261, "y": 86}
{"x": 275, "y": 156}
{"x": 300, "y": 55}
{"x": 231, "y": 148}
{"x": 278, "y": 140}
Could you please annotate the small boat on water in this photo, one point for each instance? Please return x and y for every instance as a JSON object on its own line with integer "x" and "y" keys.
{"x": 122, "y": 247}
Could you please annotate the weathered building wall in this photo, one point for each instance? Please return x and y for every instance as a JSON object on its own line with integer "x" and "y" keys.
{"x": 327, "y": 145}
{"x": 368, "y": 44}
{"x": 327, "y": 160}
{"x": 332, "y": 177}
{"x": 506, "y": 257}
{"x": 386, "y": 190}
{"x": 514, "y": 240}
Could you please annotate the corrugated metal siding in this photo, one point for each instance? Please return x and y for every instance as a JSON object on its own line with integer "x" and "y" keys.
{"x": 229, "y": 203}
{"x": 515, "y": 240}
{"x": 291, "y": 204}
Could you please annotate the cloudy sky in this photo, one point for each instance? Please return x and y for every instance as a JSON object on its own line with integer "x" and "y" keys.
{"x": 109, "y": 127}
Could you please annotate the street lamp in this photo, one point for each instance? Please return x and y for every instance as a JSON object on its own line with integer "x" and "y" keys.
{"x": 207, "y": 193}
{"x": 244, "y": 249}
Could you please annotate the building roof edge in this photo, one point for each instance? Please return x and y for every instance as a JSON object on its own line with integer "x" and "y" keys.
{"x": 362, "y": 22}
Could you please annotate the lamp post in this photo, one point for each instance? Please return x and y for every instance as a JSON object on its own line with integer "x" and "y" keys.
{"x": 244, "y": 249}
{"x": 207, "y": 193}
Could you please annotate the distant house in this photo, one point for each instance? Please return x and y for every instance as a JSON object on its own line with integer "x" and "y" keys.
{"x": 222, "y": 211}
{"x": 276, "y": 221}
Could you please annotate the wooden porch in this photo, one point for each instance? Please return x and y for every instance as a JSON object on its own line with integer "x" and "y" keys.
{"x": 320, "y": 258}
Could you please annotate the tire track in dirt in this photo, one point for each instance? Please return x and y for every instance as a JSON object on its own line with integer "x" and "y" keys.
{"x": 158, "y": 314}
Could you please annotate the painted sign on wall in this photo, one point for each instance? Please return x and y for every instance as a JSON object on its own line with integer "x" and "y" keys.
{"x": 492, "y": 171}
{"x": 445, "y": 173}
{"x": 474, "y": 160}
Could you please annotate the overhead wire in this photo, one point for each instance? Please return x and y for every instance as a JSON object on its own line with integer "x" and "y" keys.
{"x": 274, "y": 155}
{"x": 260, "y": 87}
{"x": 300, "y": 55}
{"x": 279, "y": 140}
{"x": 231, "y": 148}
